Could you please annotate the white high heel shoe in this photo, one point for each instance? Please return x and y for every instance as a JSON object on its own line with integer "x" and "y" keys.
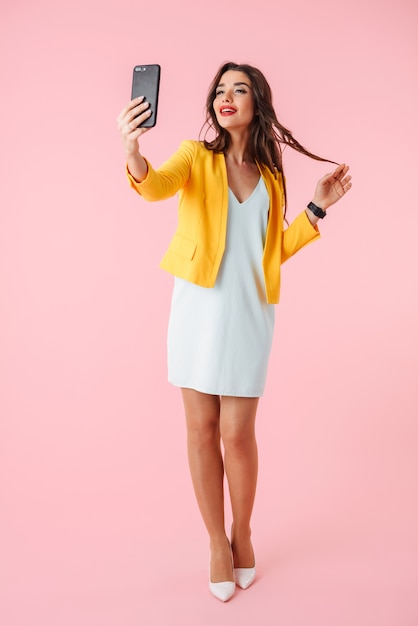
{"x": 244, "y": 576}
{"x": 222, "y": 591}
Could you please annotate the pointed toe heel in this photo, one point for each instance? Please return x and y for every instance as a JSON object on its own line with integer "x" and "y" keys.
{"x": 244, "y": 576}
{"x": 222, "y": 591}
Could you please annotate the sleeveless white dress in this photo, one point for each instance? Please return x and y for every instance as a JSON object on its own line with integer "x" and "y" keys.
{"x": 219, "y": 339}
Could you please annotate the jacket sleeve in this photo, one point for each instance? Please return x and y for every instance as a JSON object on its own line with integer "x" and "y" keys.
{"x": 297, "y": 235}
{"x": 168, "y": 179}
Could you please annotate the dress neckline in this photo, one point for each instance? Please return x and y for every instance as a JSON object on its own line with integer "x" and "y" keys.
{"x": 249, "y": 197}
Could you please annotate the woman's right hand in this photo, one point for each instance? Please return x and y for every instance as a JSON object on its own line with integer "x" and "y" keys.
{"x": 129, "y": 120}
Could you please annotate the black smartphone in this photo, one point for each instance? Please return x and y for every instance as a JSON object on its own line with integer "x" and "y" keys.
{"x": 146, "y": 82}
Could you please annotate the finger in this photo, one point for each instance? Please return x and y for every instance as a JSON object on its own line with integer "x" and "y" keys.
{"x": 344, "y": 185}
{"x": 134, "y": 123}
{"x": 134, "y": 117}
{"x": 130, "y": 111}
{"x": 132, "y": 104}
{"x": 136, "y": 111}
{"x": 340, "y": 171}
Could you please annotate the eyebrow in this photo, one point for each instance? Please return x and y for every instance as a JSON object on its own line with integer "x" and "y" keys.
{"x": 235, "y": 84}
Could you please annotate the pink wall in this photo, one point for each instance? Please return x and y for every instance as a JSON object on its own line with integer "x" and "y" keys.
{"x": 98, "y": 519}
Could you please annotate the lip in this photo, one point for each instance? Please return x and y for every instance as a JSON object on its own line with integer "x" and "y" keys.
{"x": 227, "y": 110}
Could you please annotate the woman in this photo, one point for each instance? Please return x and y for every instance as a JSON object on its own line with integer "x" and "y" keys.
{"x": 226, "y": 256}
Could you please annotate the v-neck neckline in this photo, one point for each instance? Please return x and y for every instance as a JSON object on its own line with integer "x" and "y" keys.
{"x": 249, "y": 197}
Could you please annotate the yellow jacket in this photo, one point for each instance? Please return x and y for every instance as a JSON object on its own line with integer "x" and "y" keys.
{"x": 196, "y": 250}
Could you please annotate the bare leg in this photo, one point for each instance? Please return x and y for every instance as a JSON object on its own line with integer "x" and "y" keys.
{"x": 207, "y": 471}
{"x": 237, "y": 428}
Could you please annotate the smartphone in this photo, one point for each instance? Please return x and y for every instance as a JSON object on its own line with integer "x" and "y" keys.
{"x": 146, "y": 82}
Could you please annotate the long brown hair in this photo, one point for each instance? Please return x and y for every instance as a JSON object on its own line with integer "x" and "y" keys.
{"x": 267, "y": 135}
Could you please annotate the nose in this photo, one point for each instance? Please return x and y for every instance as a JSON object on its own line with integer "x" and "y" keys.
{"x": 226, "y": 97}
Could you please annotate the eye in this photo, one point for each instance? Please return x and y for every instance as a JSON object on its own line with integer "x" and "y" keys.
{"x": 219, "y": 92}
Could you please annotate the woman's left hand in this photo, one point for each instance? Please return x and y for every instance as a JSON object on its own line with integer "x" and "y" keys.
{"x": 332, "y": 187}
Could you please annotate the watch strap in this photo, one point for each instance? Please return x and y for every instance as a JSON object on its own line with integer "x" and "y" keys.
{"x": 316, "y": 210}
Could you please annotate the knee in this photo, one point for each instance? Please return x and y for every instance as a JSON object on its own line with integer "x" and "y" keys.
{"x": 202, "y": 436}
{"x": 239, "y": 443}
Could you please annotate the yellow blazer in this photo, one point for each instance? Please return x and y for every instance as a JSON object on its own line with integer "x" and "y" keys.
{"x": 195, "y": 252}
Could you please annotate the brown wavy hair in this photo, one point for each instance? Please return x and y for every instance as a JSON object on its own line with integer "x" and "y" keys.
{"x": 267, "y": 134}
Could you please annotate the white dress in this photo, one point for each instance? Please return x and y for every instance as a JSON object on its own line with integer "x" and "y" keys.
{"x": 219, "y": 339}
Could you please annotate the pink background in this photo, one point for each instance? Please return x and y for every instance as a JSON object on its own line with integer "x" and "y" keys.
{"x": 98, "y": 522}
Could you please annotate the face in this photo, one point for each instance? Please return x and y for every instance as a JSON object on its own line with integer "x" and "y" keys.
{"x": 234, "y": 101}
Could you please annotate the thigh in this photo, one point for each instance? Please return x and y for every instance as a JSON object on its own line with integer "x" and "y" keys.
{"x": 202, "y": 410}
{"x": 237, "y": 417}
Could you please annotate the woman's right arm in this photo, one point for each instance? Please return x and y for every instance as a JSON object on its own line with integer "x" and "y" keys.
{"x": 129, "y": 120}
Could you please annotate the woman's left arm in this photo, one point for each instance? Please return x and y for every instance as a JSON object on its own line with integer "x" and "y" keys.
{"x": 330, "y": 188}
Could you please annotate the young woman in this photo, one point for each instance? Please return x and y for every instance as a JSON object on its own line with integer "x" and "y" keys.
{"x": 226, "y": 256}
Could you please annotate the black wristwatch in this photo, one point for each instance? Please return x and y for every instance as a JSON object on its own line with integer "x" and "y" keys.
{"x": 316, "y": 210}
